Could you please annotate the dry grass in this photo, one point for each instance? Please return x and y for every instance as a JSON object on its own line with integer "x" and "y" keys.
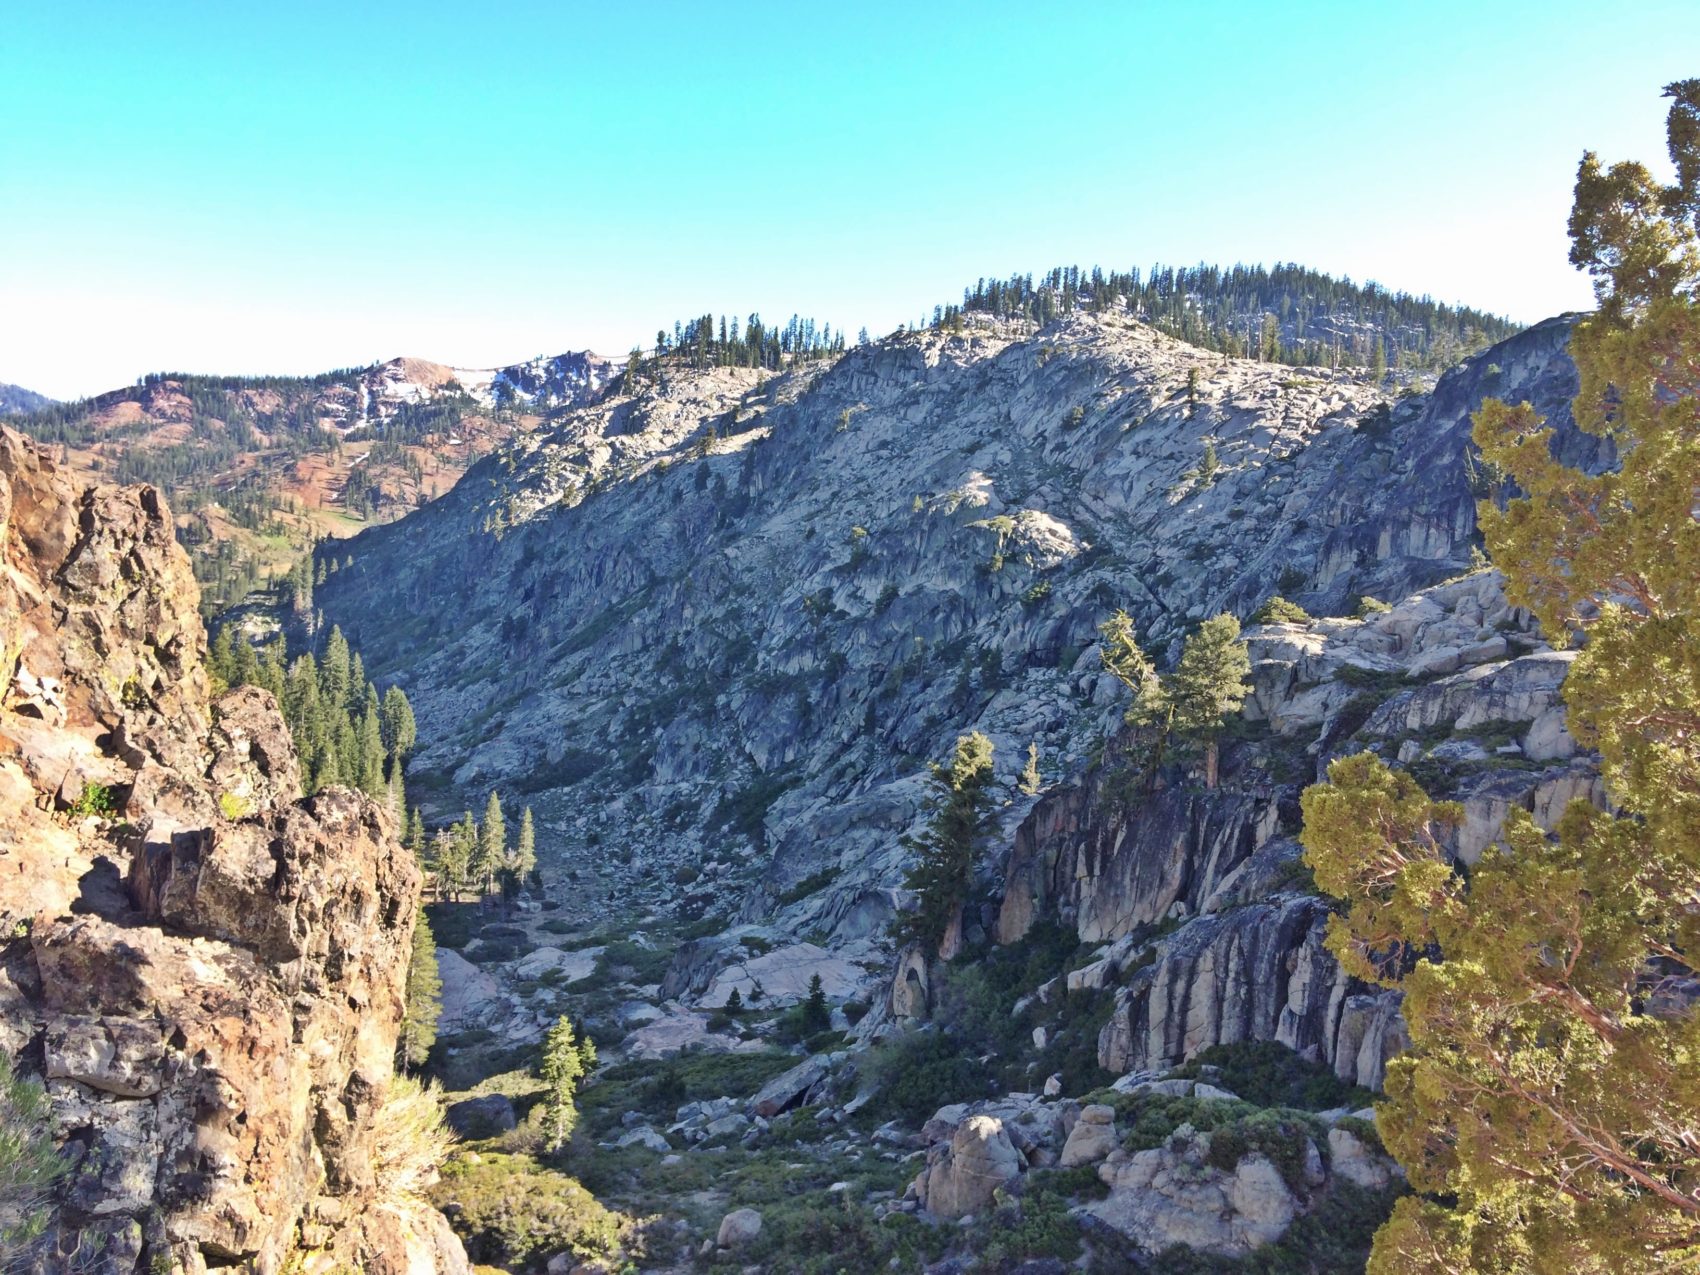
{"x": 410, "y": 1140}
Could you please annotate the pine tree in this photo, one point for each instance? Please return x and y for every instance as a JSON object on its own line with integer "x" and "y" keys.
{"x": 493, "y": 842}
{"x": 961, "y": 802}
{"x": 401, "y": 732}
{"x": 220, "y": 661}
{"x": 816, "y": 1015}
{"x": 1030, "y": 781}
{"x": 1546, "y": 1109}
{"x": 449, "y": 861}
{"x": 334, "y": 671}
{"x": 735, "y": 1003}
{"x": 1208, "y": 685}
{"x": 1208, "y": 464}
{"x": 424, "y": 998}
{"x": 369, "y": 751}
{"x": 469, "y": 847}
{"x": 244, "y": 668}
{"x": 522, "y": 862}
{"x": 566, "y": 1061}
{"x": 395, "y": 795}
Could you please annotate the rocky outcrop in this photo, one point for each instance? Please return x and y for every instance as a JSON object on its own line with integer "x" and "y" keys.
{"x": 211, "y": 988}
{"x": 1211, "y": 937}
{"x": 1258, "y": 972}
{"x": 1169, "y": 1195}
{"x": 1092, "y": 1138}
{"x": 1223, "y": 1197}
{"x": 1106, "y": 866}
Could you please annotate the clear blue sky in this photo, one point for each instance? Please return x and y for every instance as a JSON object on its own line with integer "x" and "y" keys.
{"x": 290, "y": 187}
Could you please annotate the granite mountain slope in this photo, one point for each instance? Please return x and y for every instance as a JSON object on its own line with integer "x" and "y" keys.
{"x": 713, "y": 631}
{"x": 725, "y": 621}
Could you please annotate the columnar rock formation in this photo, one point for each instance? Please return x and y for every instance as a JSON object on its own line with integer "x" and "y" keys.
{"x": 1211, "y": 934}
{"x": 206, "y": 969}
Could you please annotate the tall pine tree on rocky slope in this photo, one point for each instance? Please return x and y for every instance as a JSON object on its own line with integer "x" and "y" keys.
{"x": 1548, "y": 1109}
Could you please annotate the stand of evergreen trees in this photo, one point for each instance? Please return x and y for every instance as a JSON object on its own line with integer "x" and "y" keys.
{"x": 481, "y": 859}
{"x": 1283, "y": 314}
{"x": 344, "y": 731}
{"x": 706, "y": 342}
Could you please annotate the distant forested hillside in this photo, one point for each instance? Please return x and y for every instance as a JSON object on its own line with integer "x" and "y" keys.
{"x": 15, "y": 399}
{"x": 1283, "y": 314}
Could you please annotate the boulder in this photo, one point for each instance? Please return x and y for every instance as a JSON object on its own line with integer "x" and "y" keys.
{"x": 965, "y": 1178}
{"x": 738, "y": 1228}
{"x": 1169, "y": 1195}
{"x": 476, "y": 1118}
{"x": 1352, "y": 1160}
{"x": 1092, "y": 1138}
{"x": 789, "y": 1088}
{"x": 644, "y": 1136}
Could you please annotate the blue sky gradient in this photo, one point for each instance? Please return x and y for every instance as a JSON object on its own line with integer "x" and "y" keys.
{"x": 243, "y": 187}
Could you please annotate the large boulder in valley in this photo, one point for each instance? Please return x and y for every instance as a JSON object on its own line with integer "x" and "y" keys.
{"x": 483, "y": 1117}
{"x": 1171, "y": 1195}
{"x": 738, "y": 1228}
{"x": 965, "y": 1178}
{"x": 1092, "y": 1138}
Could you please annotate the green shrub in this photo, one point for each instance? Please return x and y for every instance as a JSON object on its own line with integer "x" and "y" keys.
{"x": 1277, "y": 610}
{"x": 657, "y": 1089}
{"x": 810, "y": 884}
{"x": 1367, "y": 606}
{"x": 29, "y": 1165}
{"x": 634, "y": 962}
{"x": 1269, "y": 1074}
{"x": 511, "y": 1210}
{"x": 920, "y": 1072}
{"x": 1039, "y": 1224}
{"x": 1278, "y": 1135}
{"x": 95, "y": 799}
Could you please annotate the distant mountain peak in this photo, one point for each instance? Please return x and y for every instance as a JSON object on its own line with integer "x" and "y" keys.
{"x": 15, "y": 400}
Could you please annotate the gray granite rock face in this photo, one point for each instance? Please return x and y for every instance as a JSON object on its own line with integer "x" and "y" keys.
{"x": 728, "y": 619}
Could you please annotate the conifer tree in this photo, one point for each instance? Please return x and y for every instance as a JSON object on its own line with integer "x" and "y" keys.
{"x": 816, "y": 1015}
{"x": 334, "y": 671}
{"x": 493, "y": 842}
{"x": 369, "y": 750}
{"x": 961, "y": 802}
{"x": 1208, "y": 685}
{"x": 469, "y": 847}
{"x": 566, "y": 1061}
{"x": 522, "y": 860}
{"x": 1546, "y": 1109}
{"x": 449, "y": 860}
{"x": 1030, "y": 781}
{"x": 219, "y": 656}
{"x": 401, "y": 732}
{"x": 424, "y": 1001}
